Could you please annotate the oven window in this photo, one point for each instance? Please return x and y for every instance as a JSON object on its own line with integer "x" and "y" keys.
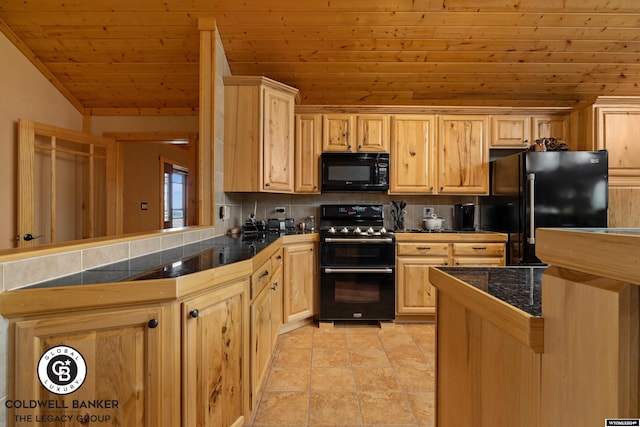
{"x": 349, "y": 291}
{"x": 349, "y": 173}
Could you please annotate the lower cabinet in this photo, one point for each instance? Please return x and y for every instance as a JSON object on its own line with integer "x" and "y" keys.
{"x": 215, "y": 362}
{"x": 414, "y": 293}
{"x": 128, "y": 356}
{"x": 266, "y": 319}
{"x": 299, "y": 281}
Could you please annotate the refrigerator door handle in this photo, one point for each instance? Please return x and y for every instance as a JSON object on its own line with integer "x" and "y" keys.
{"x": 532, "y": 206}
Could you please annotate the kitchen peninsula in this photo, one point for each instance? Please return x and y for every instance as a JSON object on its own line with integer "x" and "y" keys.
{"x": 573, "y": 363}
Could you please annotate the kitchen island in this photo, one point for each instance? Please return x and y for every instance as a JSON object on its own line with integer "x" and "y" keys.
{"x": 488, "y": 346}
{"x": 573, "y": 363}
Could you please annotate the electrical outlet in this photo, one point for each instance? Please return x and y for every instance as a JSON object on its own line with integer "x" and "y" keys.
{"x": 224, "y": 212}
{"x": 280, "y": 210}
{"x": 427, "y": 211}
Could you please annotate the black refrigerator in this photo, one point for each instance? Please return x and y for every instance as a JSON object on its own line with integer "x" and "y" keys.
{"x": 529, "y": 190}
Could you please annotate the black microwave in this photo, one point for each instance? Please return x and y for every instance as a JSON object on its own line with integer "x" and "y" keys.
{"x": 355, "y": 171}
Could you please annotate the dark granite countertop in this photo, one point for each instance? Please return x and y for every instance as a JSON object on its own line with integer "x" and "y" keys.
{"x": 520, "y": 287}
{"x": 172, "y": 263}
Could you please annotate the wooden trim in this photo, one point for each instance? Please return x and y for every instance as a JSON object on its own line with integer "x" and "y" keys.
{"x": 26, "y": 181}
{"x": 160, "y": 111}
{"x": 430, "y": 110}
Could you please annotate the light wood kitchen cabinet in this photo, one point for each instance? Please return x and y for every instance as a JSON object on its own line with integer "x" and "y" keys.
{"x": 355, "y": 132}
{"x": 307, "y": 153}
{"x": 412, "y": 154}
{"x": 266, "y": 319}
{"x": 414, "y": 293}
{"x": 299, "y": 281}
{"x": 128, "y": 355}
{"x": 259, "y": 135}
{"x": 510, "y": 132}
{"x": 478, "y": 254}
{"x": 550, "y": 127}
{"x": 463, "y": 155}
{"x": 215, "y": 356}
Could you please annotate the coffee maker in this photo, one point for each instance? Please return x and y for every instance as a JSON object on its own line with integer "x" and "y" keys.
{"x": 464, "y": 217}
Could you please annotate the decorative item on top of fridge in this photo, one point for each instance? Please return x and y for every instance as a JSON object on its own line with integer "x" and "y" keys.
{"x": 549, "y": 144}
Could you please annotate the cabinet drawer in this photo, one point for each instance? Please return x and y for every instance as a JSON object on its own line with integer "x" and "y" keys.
{"x": 260, "y": 278}
{"x": 478, "y": 261}
{"x": 478, "y": 249}
{"x": 276, "y": 259}
{"x": 423, "y": 248}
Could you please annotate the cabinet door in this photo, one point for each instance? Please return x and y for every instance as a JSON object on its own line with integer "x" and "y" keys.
{"x": 510, "y": 131}
{"x": 617, "y": 132}
{"x": 261, "y": 341}
{"x": 125, "y": 357}
{"x": 278, "y": 128}
{"x": 412, "y": 169}
{"x": 307, "y": 153}
{"x": 277, "y": 303}
{"x": 299, "y": 281}
{"x": 551, "y": 127}
{"x": 463, "y": 155}
{"x": 337, "y": 132}
{"x": 415, "y": 295}
{"x": 215, "y": 360}
{"x": 372, "y": 132}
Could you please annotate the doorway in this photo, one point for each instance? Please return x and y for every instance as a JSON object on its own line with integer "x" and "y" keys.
{"x": 174, "y": 194}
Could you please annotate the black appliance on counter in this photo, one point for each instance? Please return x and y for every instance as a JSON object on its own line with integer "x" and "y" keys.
{"x": 464, "y": 217}
{"x": 544, "y": 189}
{"x": 357, "y": 264}
{"x": 355, "y": 171}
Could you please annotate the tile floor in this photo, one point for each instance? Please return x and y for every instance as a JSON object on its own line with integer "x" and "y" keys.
{"x": 351, "y": 376}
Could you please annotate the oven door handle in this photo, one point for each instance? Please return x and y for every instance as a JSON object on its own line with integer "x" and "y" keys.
{"x": 359, "y": 270}
{"x": 347, "y": 240}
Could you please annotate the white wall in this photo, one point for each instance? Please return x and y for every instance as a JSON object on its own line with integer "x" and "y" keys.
{"x": 24, "y": 93}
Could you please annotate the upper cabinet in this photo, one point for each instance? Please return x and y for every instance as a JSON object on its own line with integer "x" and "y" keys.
{"x": 510, "y": 131}
{"x": 521, "y": 131}
{"x": 259, "y": 135}
{"x": 355, "y": 132}
{"x": 307, "y": 153}
{"x": 550, "y": 127}
{"x": 463, "y": 154}
{"x": 412, "y": 154}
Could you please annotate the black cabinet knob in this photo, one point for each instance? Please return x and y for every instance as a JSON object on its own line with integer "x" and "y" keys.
{"x": 194, "y": 313}
{"x": 153, "y": 323}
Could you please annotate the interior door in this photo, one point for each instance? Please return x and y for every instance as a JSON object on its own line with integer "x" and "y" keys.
{"x": 66, "y": 182}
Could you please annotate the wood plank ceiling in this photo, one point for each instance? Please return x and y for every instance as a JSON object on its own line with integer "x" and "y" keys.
{"x": 121, "y": 56}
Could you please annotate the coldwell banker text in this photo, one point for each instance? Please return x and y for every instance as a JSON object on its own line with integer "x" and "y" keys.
{"x": 62, "y": 404}
{"x": 42, "y": 405}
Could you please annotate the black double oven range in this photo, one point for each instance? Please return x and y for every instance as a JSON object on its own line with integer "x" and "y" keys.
{"x": 357, "y": 264}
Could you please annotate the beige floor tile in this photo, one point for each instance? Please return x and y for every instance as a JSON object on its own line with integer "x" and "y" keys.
{"x": 364, "y": 341}
{"x": 329, "y": 340}
{"x": 391, "y": 339}
{"x": 368, "y": 357}
{"x": 422, "y": 405}
{"x": 385, "y": 408}
{"x": 283, "y": 407}
{"x": 333, "y": 357}
{"x": 287, "y": 378}
{"x": 407, "y": 356}
{"x": 415, "y": 379}
{"x": 294, "y": 357}
{"x": 332, "y": 379}
{"x": 295, "y": 341}
{"x": 334, "y": 408}
{"x": 375, "y": 379}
